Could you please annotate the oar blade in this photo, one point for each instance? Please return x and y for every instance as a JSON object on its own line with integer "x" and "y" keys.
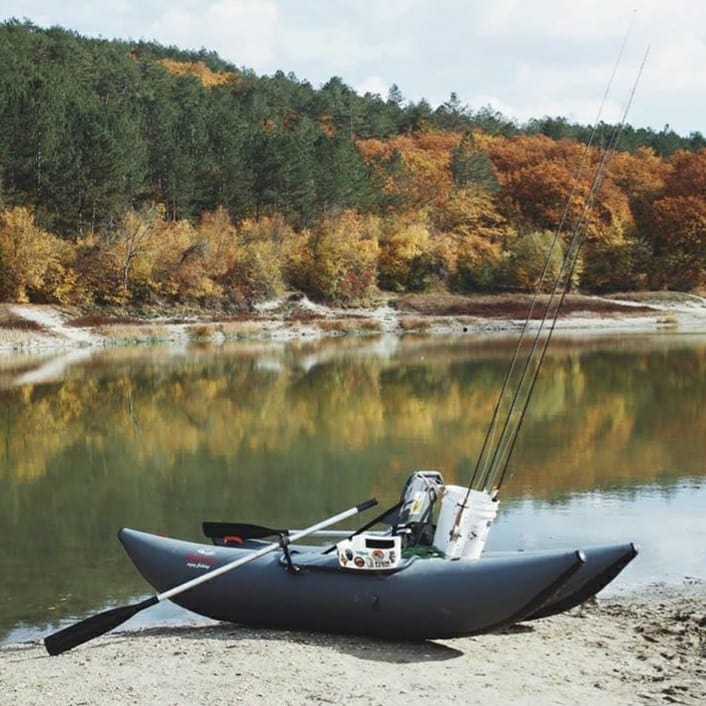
{"x": 219, "y": 530}
{"x": 85, "y": 630}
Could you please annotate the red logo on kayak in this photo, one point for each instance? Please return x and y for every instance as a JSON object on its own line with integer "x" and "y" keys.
{"x": 200, "y": 561}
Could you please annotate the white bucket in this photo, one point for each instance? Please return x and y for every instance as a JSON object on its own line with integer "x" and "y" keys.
{"x": 468, "y": 539}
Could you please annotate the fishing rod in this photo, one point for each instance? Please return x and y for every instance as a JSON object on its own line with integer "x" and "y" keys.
{"x": 490, "y": 433}
{"x": 505, "y": 444}
{"x": 578, "y": 239}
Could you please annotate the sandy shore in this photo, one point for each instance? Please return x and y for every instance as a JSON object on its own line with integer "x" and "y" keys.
{"x": 643, "y": 649}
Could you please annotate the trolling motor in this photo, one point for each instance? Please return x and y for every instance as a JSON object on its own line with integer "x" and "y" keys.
{"x": 414, "y": 522}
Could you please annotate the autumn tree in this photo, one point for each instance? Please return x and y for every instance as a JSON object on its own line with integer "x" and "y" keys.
{"x": 406, "y": 256}
{"x": 254, "y": 261}
{"x": 413, "y": 171}
{"x": 677, "y": 224}
{"x": 479, "y": 265}
{"x": 117, "y": 264}
{"x": 33, "y": 263}
{"x": 337, "y": 260}
{"x": 536, "y": 262}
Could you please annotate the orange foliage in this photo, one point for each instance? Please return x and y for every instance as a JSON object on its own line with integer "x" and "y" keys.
{"x": 208, "y": 78}
{"x": 687, "y": 176}
{"x": 426, "y": 178}
{"x": 639, "y": 175}
{"x": 327, "y": 125}
{"x": 547, "y": 185}
{"x": 680, "y": 237}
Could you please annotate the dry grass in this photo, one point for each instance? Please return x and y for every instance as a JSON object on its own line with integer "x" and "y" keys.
{"x": 303, "y": 316}
{"x": 11, "y": 322}
{"x": 98, "y": 320}
{"x": 135, "y": 332}
{"x": 351, "y": 325}
{"x": 507, "y": 306}
{"x": 415, "y": 324}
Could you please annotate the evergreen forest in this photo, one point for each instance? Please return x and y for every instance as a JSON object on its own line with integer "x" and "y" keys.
{"x": 133, "y": 173}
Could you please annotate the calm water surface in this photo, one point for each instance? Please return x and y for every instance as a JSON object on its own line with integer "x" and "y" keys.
{"x": 612, "y": 450}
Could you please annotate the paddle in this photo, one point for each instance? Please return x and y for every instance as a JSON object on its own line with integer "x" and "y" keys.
{"x": 245, "y": 530}
{"x": 101, "y": 623}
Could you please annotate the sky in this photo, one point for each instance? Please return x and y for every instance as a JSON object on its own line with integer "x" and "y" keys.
{"x": 578, "y": 59}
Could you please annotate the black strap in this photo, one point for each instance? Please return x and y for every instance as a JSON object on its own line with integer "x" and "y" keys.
{"x": 284, "y": 543}
{"x": 382, "y": 517}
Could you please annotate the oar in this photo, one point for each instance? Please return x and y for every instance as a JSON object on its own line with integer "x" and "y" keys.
{"x": 245, "y": 530}
{"x": 101, "y": 623}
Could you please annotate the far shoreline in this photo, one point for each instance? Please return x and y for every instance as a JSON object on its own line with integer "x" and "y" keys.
{"x": 37, "y": 328}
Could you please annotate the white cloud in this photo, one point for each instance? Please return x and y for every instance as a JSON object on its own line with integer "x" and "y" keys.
{"x": 241, "y": 31}
{"x": 680, "y": 66}
{"x": 373, "y": 84}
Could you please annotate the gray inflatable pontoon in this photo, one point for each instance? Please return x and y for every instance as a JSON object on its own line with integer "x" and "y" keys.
{"x": 421, "y": 598}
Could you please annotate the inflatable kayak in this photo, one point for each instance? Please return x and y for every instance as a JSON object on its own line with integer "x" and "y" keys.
{"x": 419, "y": 598}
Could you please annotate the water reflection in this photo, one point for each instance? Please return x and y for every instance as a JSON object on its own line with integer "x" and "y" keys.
{"x": 666, "y": 523}
{"x": 162, "y": 439}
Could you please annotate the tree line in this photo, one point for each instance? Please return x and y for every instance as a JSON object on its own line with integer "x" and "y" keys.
{"x": 132, "y": 172}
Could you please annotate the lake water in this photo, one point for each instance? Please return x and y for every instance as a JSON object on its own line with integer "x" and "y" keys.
{"x": 160, "y": 439}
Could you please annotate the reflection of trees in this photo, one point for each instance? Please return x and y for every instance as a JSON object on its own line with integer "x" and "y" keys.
{"x": 585, "y": 406}
{"x": 164, "y": 444}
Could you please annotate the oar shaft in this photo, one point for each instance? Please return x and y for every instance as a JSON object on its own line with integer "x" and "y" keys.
{"x": 181, "y": 588}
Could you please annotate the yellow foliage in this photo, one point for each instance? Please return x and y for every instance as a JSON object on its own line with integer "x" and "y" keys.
{"x": 183, "y": 268}
{"x": 404, "y": 246}
{"x": 27, "y": 253}
{"x": 252, "y": 258}
{"x": 217, "y": 229}
{"x": 256, "y": 272}
{"x": 472, "y": 211}
{"x": 478, "y": 261}
{"x": 273, "y": 228}
{"x": 63, "y": 284}
{"x": 337, "y": 261}
{"x": 415, "y": 258}
{"x": 529, "y": 260}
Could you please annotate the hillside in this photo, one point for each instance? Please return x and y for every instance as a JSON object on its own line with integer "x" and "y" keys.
{"x": 132, "y": 173}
